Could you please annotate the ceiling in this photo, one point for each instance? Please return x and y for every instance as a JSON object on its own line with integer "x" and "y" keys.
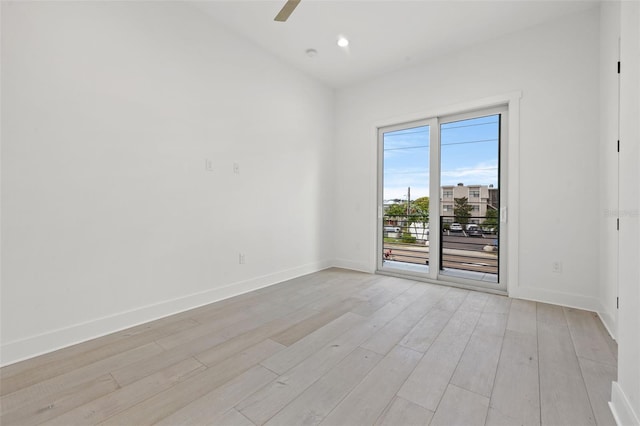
{"x": 384, "y": 35}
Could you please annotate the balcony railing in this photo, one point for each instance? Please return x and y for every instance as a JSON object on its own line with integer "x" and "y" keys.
{"x": 471, "y": 248}
{"x": 406, "y": 239}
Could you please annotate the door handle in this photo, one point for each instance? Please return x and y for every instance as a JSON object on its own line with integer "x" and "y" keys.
{"x": 503, "y": 215}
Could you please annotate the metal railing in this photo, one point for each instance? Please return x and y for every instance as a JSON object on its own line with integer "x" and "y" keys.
{"x": 406, "y": 239}
{"x": 469, "y": 247}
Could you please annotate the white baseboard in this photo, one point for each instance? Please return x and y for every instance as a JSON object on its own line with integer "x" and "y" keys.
{"x": 353, "y": 265}
{"x": 621, "y": 408}
{"x": 609, "y": 323}
{"x": 569, "y": 300}
{"x": 32, "y": 346}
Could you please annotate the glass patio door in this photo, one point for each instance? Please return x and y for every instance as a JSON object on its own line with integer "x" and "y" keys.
{"x": 405, "y": 205}
{"x": 440, "y": 199}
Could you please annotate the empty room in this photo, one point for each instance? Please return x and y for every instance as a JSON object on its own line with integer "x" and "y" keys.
{"x": 352, "y": 212}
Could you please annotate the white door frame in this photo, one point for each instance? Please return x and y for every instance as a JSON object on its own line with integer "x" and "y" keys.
{"x": 508, "y": 106}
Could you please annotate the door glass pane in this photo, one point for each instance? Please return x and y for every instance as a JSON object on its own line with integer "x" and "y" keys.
{"x": 470, "y": 198}
{"x": 405, "y": 192}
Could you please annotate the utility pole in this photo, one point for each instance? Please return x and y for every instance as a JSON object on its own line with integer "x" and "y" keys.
{"x": 408, "y": 200}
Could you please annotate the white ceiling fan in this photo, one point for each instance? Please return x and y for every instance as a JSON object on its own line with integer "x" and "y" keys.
{"x": 286, "y": 10}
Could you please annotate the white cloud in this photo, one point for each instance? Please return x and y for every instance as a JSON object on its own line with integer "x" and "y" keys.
{"x": 396, "y": 182}
{"x": 481, "y": 174}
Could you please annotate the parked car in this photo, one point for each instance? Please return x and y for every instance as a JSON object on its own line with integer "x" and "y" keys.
{"x": 474, "y": 230}
{"x": 392, "y": 229}
{"x": 455, "y": 227}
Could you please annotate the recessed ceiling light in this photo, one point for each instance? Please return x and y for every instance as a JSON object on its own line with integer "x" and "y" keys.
{"x": 311, "y": 52}
{"x": 343, "y": 42}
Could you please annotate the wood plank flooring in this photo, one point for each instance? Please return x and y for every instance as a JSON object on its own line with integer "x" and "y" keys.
{"x": 332, "y": 348}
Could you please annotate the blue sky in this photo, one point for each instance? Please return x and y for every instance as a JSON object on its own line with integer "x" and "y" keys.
{"x": 469, "y": 155}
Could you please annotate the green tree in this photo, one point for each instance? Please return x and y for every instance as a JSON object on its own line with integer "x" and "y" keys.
{"x": 462, "y": 210}
{"x": 491, "y": 220}
{"x": 396, "y": 210}
{"x": 420, "y": 210}
{"x": 421, "y": 206}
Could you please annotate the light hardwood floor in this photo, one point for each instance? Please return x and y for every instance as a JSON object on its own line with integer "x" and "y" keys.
{"x": 332, "y": 348}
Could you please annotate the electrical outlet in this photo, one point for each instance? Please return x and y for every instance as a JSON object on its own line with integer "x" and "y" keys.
{"x": 236, "y": 168}
{"x": 556, "y": 267}
{"x": 241, "y": 259}
{"x": 208, "y": 165}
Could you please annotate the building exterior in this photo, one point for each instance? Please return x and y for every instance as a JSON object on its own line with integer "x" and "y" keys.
{"x": 480, "y": 197}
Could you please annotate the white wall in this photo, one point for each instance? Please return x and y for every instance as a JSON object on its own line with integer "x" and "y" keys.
{"x": 608, "y": 163}
{"x": 109, "y": 111}
{"x": 556, "y": 67}
{"x": 626, "y": 391}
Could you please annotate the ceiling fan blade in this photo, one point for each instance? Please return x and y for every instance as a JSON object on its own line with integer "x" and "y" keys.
{"x": 286, "y": 11}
